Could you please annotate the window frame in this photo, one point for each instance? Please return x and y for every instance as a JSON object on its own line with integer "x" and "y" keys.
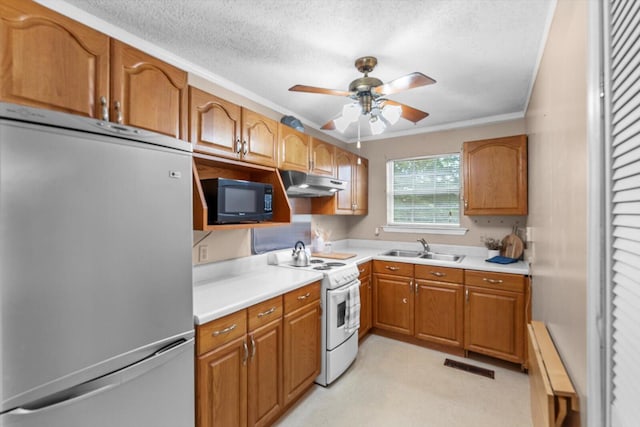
{"x": 408, "y": 227}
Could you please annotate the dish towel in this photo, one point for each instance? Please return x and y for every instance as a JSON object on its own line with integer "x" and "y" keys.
{"x": 352, "y": 311}
{"x": 501, "y": 260}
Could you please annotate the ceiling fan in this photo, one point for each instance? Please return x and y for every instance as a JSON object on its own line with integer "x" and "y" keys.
{"x": 370, "y": 96}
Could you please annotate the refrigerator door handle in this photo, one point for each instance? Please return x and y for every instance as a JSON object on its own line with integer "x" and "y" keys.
{"x": 105, "y": 382}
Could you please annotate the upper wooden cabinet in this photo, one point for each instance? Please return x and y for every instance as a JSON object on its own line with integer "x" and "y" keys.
{"x": 323, "y": 157}
{"x": 354, "y": 199}
{"x": 146, "y": 92}
{"x": 222, "y": 128}
{"x": 53, "y": 62}
{"x": 293, "y": 149}
{"x": 50, "y": 61}
{"x": 495, "y": 176}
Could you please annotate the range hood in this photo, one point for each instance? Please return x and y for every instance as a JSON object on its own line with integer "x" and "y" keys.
{"x": 301, "y": 184}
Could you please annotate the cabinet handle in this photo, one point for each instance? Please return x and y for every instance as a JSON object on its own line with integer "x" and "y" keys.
{"x": 466, "y": 295}
{"x": 492, "y": 281}
{"x": 415, "y": 287}
{"x": 105, "y": 108}
{"x": 246, "y": 352}
{"x": 404, "y": 300}
{"x": 245, "y": 150}
{"x": 225, "y": 330}
{"x": 361, "y": 271}
{"x": 466, "y": 204}
{"x": 238, "y": 147}
{"x": 253, "y": 347}
{"x": 437, "y": 274}
{"x": 118, "y": 107}
{"x": 266, "y": 313}
{"x": 305, "y": 296}
{"x": 391, "y": 267}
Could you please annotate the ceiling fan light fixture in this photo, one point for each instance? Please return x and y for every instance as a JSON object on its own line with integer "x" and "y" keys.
{"x": 351, "y": 112}
{"x": 377, "y": 125}
{"x": 341, "y": 123}
{"x": 392, "y": 113}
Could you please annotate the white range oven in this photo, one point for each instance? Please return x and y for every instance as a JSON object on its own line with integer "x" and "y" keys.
{"x": 340, "y": 301}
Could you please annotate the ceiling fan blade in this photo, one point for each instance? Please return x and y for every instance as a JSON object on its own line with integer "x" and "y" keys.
{"x": 329, "y": 125}
{"x": 409, "y": 113}
{"x": 403, "y": 83}
{"x": 313, "y": 89}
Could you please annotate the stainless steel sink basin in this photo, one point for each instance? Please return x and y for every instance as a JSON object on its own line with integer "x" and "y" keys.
{"x": 403, "y": 253}
{"x": 442, "y": 257}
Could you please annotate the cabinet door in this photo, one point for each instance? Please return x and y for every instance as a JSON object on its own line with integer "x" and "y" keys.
{"x": 265, "y": 374}
{"x": 301, "y": 350}
{"x": 393, "y": 303}
{"x": 259, "y": 138}
{"x": 361, "y": 186}
{"x": 214, "y": 124}
{"x": 222, "y": 386}
{"x": 50, "y": 61}
{"x": 293, "y": 149}
{"x": 344, "y": 171}
{"x": 439, "y": 312}
{"x": 495, "y": 176}
{"x": 146, "y": 92}
{"x": 365, "y": 306}
{"x": 494, "y": 323}
{"x": 322, "y": 158}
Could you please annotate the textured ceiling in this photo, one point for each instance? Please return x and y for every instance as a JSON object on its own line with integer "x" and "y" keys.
{"x": 482, "y": 53}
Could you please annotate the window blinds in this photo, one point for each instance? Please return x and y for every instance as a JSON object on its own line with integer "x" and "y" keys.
{"x": 623, "y": 128}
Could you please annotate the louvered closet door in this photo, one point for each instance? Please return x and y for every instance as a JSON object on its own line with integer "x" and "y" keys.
{"x": 622, "y": 65}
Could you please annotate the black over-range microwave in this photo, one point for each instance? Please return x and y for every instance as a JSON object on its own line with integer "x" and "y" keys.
{"x": 236, "y": 201}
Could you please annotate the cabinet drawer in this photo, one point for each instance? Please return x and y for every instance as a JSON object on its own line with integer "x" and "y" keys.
{"x": 264, "y": 312}
{"x": 395, "y": 268}
{"x": 440, "y": 274}
{"x": 221, "y": 331}
{"x": 485, "y": 279}
{"x": 300, "y": 297}
{"x": 364, "y": 269}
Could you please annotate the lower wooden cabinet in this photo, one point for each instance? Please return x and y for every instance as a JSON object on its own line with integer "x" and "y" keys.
{"x": 393, "y": 296}
{"x": 251, "y": 364}
{"x": 439, "y": 310}
{"x": 365, "y": 299}
{"x": 301, "y": 351}
{"x": 495, "y": 315}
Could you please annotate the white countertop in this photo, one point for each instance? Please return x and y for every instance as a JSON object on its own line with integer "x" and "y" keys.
{"x": 226, "y": 287}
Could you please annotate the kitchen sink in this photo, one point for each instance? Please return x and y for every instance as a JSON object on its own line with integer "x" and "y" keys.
{"x": 403, "y": 253}
{"x": 442, "y": 257}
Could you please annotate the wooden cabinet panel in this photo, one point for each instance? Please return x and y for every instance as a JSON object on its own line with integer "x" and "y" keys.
{"x": 365, "y": 299}
{"x": 322, "y": 158}
{"x": 300, "y": 297}
{"x": 361, "y": 187}
{"x": 439, "y": 274}
{"x": 301, "y": 352}
{"x": 259, "y": 138}
{"x": 392, "y": 267}
{"x": 146, "y": 92}
{"x": 293, "y": 149}
{"x": 214, "y": 124}
{"x": 220, "y": 331}
{"x": 344, "y": 171}
{"x": 494, "y": 323}
{"x": 495, "y": 176}
{"x": 264, "y": 312}
{"x": 491, "y": 280}
{"x": 221, "y": 397}
{"x": 265, "y": 392}
{"x": 50, "y": 61}
{"x": 393, "y": 303}
{"x": 439, "y": 312}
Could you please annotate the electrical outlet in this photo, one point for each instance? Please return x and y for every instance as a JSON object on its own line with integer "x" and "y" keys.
{"x": 203, "y": 254}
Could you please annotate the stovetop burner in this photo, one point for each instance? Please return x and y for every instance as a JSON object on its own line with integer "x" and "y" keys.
{"x": 335, "y": 264}
{"x": 316, "y": 261}
{"x": 322, "y": 267}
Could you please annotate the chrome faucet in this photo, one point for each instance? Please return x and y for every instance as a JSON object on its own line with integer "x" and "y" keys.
{"x": 425, "y": 245}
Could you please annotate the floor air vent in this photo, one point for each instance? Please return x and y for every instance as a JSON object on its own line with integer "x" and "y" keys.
{"x": 470, "y": 368}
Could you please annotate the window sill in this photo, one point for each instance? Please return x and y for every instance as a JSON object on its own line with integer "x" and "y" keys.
{"x": 428, "y": 229}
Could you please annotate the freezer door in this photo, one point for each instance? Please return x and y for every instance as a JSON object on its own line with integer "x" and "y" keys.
{"x": 95, "y": 255}
{"x": 156, "y": 392}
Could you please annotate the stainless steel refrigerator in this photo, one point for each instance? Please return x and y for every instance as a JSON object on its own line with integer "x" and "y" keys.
{"x": 95, "y": 274}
